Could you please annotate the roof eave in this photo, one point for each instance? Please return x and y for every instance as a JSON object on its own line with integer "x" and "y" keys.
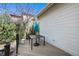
{"x": 44, "y": 9}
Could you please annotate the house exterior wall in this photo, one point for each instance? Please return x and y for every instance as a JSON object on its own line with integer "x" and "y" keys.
{"x": 60, "y": 25}
{"x": 15, "y": 19}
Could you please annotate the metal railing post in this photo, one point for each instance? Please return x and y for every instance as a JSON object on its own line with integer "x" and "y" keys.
{"x": 17, "y": 43}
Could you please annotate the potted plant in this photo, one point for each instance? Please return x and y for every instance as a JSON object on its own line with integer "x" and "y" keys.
{"x": 7, "y": 29}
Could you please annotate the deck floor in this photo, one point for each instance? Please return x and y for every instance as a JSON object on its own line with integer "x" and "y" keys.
{"x": 48, "y": 50}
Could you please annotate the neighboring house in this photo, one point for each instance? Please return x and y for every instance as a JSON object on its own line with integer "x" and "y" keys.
{"x": 26, "y": 17}
{"x": 60, "y": 25}
{"x": 21, "y": 18}
{"x": 15, "y": 18}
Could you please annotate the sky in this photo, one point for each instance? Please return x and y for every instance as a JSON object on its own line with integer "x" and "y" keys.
{"x": 37, "y": 7}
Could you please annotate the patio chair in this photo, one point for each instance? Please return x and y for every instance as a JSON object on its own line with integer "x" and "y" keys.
{"x": 40, "y": 37}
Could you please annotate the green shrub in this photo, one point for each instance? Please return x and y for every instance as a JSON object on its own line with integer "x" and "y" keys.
{"x": 7, "y": 29}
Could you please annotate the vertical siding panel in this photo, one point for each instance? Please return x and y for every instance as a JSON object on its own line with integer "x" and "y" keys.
{"x": 60, "y": 25}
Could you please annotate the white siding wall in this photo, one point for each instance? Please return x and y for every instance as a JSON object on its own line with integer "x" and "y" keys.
{"x": 60, "y": 25}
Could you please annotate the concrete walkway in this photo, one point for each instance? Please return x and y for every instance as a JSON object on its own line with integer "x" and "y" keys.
{"x": 48, "y": 50}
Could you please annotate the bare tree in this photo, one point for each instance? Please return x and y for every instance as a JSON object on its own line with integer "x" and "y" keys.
{"x": 28, "y": 10}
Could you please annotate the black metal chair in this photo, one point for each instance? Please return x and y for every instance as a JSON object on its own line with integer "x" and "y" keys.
{"x": 40, "y": 37}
